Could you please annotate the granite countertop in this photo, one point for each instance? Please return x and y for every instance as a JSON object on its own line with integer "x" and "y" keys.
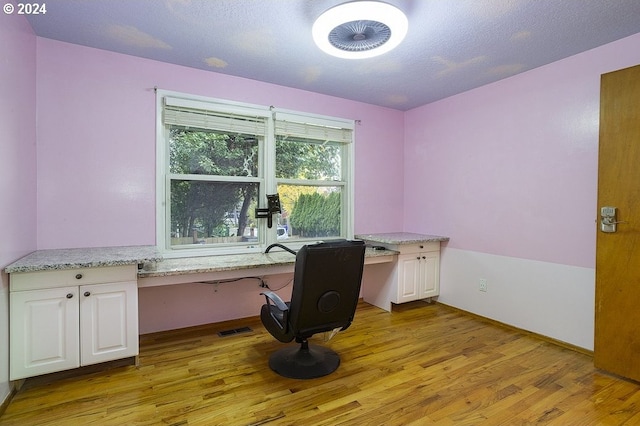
{"x": 229, "y": 262}
{"x": 153, "y": 263}
{"x": 43, "y": 260}
{"x": 401, "y": 238}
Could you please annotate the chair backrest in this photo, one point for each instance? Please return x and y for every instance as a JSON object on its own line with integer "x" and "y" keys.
{"x": 326, "y": 286}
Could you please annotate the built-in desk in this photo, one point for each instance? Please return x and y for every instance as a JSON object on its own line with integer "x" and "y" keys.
{"x": 223, "y": 267}
{"x": 87, "y": 295}
{"x": 153, "y": 270}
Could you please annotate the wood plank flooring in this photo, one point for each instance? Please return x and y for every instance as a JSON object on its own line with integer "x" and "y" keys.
{"x": 419, "y": 365}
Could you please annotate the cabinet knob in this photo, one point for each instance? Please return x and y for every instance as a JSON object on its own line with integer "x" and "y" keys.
{"x": 70, "y": 296}
{"x": 421, "y": 246}
{"x": 78, "y": 276}
{"x": 418, "y": 257}
{"x": 424, "y": 257}
{"x": 87, "y": 293}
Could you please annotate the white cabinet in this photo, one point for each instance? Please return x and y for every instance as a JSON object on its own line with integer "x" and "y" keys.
{"x": 414, "y": 276}
{"x": 108, "y": 322}
{"x": 44, "y": 333}
{"x": 417, "y": 272}
{"x": 63, "y": 319}
{"x": 417, "y": 276}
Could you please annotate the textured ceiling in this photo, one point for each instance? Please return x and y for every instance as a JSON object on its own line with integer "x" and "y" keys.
{"x": 451, "y": 46}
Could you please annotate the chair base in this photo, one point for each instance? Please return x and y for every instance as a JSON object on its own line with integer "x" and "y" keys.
{"x": 304, "y": 362}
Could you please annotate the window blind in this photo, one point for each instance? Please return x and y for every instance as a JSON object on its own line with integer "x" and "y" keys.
{"x": 308, "y": 128}
{"x": 193, "y": 114}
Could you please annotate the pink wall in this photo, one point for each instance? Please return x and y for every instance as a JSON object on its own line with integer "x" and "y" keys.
{"x": 18, "y": 141}
{"x": 17, "y": 161}
{"x": 96, "y": 143}
{"x": 511, "y": 168}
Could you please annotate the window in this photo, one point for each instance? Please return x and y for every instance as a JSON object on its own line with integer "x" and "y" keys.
{"x": 218, "y": 160}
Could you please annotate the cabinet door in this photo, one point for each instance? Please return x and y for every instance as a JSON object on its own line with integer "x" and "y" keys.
{"x": 108, "y": 321}
{"x": 44, "y": 331}
{"x": 429, "y": 274}
{"x": 408, "y": 278}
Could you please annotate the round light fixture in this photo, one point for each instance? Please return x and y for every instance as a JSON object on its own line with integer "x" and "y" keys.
{"x": 360, "y": 29}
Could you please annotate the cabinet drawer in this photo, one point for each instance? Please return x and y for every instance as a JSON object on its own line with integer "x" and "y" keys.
{"x": 65, "y": 277}
{"x": 417, "y": 248}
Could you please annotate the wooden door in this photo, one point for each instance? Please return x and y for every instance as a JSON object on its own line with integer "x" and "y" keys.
{"x": 617, "y": 311}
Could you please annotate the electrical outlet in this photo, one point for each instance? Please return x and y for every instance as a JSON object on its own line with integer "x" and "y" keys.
{"x": 483, "y": 284}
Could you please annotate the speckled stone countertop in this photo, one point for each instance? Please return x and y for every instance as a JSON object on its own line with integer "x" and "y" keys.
{"x": 230, "y": 262}
{"x": 43, "y": 260}
{"x": 401, "y": 238}
{"x": 153, "y": 263}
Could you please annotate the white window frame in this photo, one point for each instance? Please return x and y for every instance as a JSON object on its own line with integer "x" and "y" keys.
{"x": 268, "y": 182}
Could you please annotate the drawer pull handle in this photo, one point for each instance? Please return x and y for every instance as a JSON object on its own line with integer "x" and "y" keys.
{"x": 87, "y": 293}
{"x": 78, "y": 276}
{"x": 70, "y": 296}
{"x": 418, "y": 257}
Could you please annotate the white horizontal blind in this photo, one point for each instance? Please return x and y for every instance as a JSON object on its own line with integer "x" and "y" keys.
{"x": 194, "y": 115}
{"x": 310, "y": 128}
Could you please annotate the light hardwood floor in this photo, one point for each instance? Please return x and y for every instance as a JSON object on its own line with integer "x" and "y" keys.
{"x": 421, "y": 364}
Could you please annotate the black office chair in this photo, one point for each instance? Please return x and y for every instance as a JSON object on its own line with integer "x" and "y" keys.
{"x": 326, "y": 287}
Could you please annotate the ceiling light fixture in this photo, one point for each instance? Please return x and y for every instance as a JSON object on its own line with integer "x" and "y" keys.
{"x": 360, "y": 29}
